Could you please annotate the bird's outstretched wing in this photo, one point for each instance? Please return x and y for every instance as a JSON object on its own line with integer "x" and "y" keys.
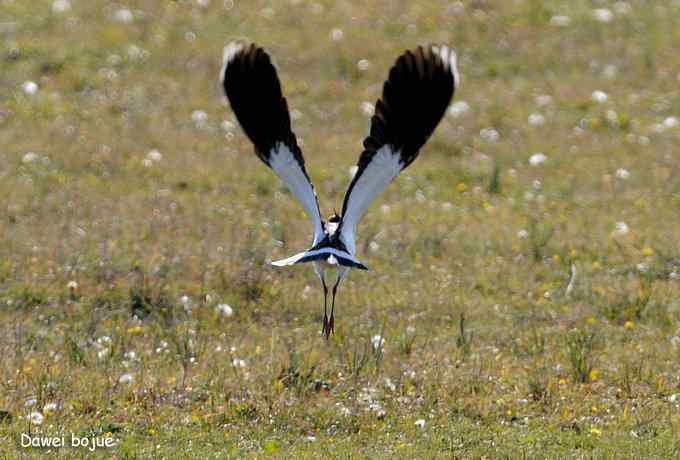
{"x": 415, "y": 97}
{"x": 254, "y": 92}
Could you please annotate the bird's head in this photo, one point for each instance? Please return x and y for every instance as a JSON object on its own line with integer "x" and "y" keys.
{"x": 333, "y": 222}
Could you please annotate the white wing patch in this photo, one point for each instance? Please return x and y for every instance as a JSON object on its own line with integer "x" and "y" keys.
{"x": 283, "y": 163}
{"x": 384, "y": 167}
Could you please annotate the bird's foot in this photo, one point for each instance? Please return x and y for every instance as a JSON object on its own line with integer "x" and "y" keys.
{"x": 331, "y": 326}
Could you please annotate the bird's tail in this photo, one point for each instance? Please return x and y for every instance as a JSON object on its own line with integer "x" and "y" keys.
{"x": 343, "y": 258}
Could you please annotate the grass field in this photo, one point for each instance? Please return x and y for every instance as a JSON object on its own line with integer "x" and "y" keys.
{"x": 527, "y": 306}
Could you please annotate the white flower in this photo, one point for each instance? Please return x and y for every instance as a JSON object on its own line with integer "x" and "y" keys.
{"x": 621, "y": 228}
{"x": 50, "y": 408}
{"x": 123, "y": 15}
{"x": 536, "y": 119}
{"x": 609, "y": 71}
{"x": 337, "y": 34}
{"x": 642, "y": 268}
{"x": 154, "y": 155}
{"x": 72, "y": 285}
{"x": 420, "y": 423}
{"x": 670, "y": 122}
{"x": 367, "y": 108}
{"x": 126, "y": 379}
{"x": 523, "y": 234}
{"x": 363, "y": 64}
{"x": 199, "y": 117}
{"x": 227, "y": 126}
{"x": 603, "y": 15}
{"x": 673, "y": 397}
{"x": 147, "y": 163}
{"x": 225, "y": 309}
{"x": 30, "y": 402}
{"x": 239, "y": 363}
{"x": 459, "y": 108}
{"x": 378, "y": 342}
{"x": 622, "y": 174}
{"x": 36, "y": 418}
{"x": 489, "y": 134}
{"x": 30, "y": 157}
{"x": 560, "y": 21}
{"x": 29, "y": 87}
{"x": 60, "y": 6}
{"x": 543, "y": 99}
{"x": 130, "y": 355}
{"x": 374, "y": 246}
{"x": 599, "y": 96}
{"x": 537, "y": 159}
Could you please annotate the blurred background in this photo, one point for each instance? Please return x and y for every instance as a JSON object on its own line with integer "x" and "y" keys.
{"x": 524, "y": 269}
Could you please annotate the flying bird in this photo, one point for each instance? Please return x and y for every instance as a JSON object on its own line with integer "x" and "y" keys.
{"x": 415, "y": 97}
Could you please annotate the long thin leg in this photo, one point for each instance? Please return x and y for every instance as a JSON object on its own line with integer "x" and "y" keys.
{"x": 331, "y": 323}
{"x": 325, "y": 329}
{"x": 322, "y": 276}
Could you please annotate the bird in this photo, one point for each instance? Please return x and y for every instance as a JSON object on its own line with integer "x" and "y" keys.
{"x": 415, "y": 97}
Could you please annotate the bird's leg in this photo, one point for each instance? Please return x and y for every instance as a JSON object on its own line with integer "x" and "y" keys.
{"x": 331, "y": 322}
{"x": 325, "y": 330}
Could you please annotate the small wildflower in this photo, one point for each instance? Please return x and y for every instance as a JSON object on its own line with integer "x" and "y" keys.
{"x": 536, "y": 119}
{"x": 225, "y": 310}
{"x": 36, "y": 418}
{"x": 622, "y": 174}
{"x": 378, "y": 342}
{"x": 123, "y": 15}
{"x": 72, "y": 285}
{"x": 126, "y": 379}
{"x": 459, "y": 108}
{"x": 594, "y": 375}
{"x": 367, "y": 108}
{"x": 603, "y": 15}
{"x": 647, "y": 251}
{"x": 135, "y": 330}
{"x": 537, "y": 159}
{"x": 599, "y": 96}
{"x": 30, "y": 157}
{"x": 50, "y": 408}
{"x": 461, "y": 188}
{"x": 621, "y": 229}
{"x": 560, "y": 21}
{"x": 523, "y": 234}
{"x": 240, "y": 363}
{"x": 337, "y": 34}
{"x": 30, "y": 87}
{"x": 562, "y": 382}
{"x": 595, "y": 431}
{"x": 61, "y": 6}
{"x": 363, "y": 65}
{"x": 629, "y": 325}
{"x": 420, "y": 423}
{"x": 489, "y": 134}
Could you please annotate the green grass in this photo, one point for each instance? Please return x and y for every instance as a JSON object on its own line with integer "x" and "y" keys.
{"x": 482, "y": 341}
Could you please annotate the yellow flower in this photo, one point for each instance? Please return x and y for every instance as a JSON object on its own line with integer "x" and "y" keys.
{"x": 596, "y": 266}
{"x": 461, "y": 188}
{"x": 486, "y": 205}
{"x": 629, "y": 325}
{"x": 594, "y": 375}
{"x": 135, "y": 329}
{"x": 562, "y": 382}
{"x": 595, "y": 431}
{"x": 509, "y": 413}
{"x": 573, "y": 253}
{"x": 557, "y": 258}
{"x": 152, "y": 432}
{"x": 647, "y": 251}
{"x": 591, "y": 320}
{"x": 594, "y": 410}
